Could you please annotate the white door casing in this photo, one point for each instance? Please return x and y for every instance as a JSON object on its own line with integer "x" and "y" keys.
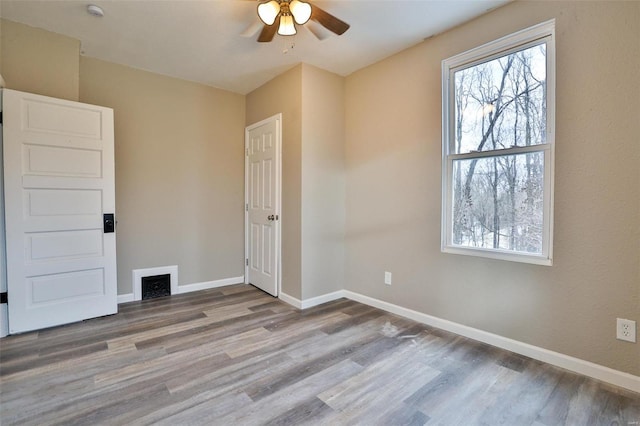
{"x": 263, "y": 142}
{"x": 4, "y": 314}
{"x": 58, "y": 183}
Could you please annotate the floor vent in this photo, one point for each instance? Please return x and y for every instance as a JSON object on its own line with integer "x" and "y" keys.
{"x": 155, "y": 282}
{"x": 156, "y": 286}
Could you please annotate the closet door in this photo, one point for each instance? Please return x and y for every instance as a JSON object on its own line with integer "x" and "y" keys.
{"x": 59, "y": 205}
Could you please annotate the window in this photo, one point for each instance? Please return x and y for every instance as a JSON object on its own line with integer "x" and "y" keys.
{"x": 498, "y": 108}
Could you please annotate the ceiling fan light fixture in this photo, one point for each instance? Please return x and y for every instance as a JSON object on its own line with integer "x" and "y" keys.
{"x": 301, "y": 11}
{"x": 281, "y": 17}
{"x": 268, "y": 12}
{"x": 287, "y": 27}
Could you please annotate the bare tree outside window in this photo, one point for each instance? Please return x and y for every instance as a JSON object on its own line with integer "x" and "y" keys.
{"x": 497, "y": 151}
{"x": 500, "y": 104}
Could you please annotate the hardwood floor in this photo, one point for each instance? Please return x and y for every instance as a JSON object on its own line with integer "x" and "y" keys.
{"x": 236, "y": 356}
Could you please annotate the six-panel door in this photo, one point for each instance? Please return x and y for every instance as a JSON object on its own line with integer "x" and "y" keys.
{"x": 263, "y": 220}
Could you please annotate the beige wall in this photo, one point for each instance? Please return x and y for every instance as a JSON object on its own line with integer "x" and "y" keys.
{"x": 283, "y": 95}
{"x": 38, "y": 61}
{"x": 1, "y": 37}
{"x": 179, "y": 155}
{"x": 313, "y": 181}
{"x": 323, "y": 182}
{"x": 179, "y": 172}
{"x": 393, "y": 155}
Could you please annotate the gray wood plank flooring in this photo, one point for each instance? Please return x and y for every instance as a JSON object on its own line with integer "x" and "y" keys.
{"x": 236, "y": 356}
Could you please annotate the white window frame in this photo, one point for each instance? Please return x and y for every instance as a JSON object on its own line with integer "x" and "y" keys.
{"x": 498, "y": 48}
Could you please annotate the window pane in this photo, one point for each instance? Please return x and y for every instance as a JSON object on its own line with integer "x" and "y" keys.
{"x": 498, "y": 202}
{"x": 501, "y": 103}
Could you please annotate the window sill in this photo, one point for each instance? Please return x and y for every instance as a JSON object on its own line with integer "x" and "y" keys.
{"x": 500, "y": 255}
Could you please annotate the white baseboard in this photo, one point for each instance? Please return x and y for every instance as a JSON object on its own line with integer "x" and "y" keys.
{"x": 314, "y": 301}
{"x": 124, "y": 298}
{"x": 210, "y": 284}
{"x": 188, "y": 288}
{"x": 596, "y": 371}
{"x": 319, "y": 300}
{"x": 296, "y": 303}
{"x": 4, "y": 320}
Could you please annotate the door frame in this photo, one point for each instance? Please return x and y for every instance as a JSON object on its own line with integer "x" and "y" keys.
{"x": 4, "y": 307}
{"x": 278, "y": 224}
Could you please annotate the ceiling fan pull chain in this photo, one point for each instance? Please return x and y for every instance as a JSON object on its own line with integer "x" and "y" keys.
{"x": 289, "y": 44}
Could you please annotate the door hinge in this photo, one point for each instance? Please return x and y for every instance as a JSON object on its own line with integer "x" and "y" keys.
{"x": 4, "y": 297}
{"x": 246, "y": 207}
{"x": 246, "y": 262}
{"x": 246, "y": 150}
{"x": 0, "y": 117}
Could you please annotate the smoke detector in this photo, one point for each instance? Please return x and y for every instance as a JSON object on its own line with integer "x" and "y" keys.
{"x": 94, "y": 10}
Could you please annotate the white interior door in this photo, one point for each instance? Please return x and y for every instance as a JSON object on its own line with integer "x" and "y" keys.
{"x": 263, "y": 142}
{"x": 58, "y": 183}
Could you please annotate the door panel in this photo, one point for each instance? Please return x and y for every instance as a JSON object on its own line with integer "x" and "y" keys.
{"x": 263, "y": 191}
{"x": 267, "y": 247}
{"x": 62, "y": 202}
{"x": 65, "y": 119}
{"x": 57, "y": 161}
{"x": 267, "y": 184}
{"x": 254, "y": 248}
{"x": 58, "y": 182}
{"x": 55, "y": 288}
{"x": 52, "y": 246}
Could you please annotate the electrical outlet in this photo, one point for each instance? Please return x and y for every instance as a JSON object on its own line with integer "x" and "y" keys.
{"x": 626, "y": 330}
{"x": 387, "y": 278}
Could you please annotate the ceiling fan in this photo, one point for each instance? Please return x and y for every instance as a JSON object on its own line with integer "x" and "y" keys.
{"x": 281, "y": 16}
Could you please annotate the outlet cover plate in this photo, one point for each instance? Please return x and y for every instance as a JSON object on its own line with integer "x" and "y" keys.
{"x": 387, "y": 278}
{"x": 626, "y": 330}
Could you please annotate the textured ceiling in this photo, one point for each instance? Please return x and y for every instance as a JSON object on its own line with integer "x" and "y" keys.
{"x": 213, "y": 41}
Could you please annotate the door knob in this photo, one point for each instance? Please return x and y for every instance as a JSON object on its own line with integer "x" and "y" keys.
{"x": 270, "y": 217}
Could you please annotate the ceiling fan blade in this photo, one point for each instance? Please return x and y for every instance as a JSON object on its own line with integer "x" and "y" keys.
{"x": 268, "y": 32}
{"x": 329, "y": 21}
{"x": 317, "y": 30}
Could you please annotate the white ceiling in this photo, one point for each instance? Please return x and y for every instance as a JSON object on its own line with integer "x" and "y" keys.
{"x": 213, "y": 41}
